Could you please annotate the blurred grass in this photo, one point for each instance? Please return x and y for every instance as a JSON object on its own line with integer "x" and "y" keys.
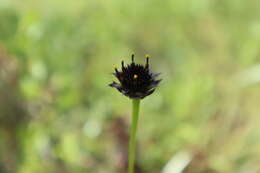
{"x": 58, "y": 115}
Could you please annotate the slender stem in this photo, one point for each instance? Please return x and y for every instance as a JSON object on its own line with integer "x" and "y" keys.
{"x": 132, "y": 142}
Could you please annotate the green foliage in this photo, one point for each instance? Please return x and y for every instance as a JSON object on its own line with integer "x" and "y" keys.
{"x": 57, "y": 113}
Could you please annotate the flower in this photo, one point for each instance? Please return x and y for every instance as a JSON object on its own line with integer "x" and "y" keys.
{"x": 136, "y": 81}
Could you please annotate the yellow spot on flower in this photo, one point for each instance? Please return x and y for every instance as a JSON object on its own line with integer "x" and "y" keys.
{"x": 147, "y": 56}
{"x": 135, "y": 76}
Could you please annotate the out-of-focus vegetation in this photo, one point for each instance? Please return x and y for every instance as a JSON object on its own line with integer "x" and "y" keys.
{"x": 57, "y": 114}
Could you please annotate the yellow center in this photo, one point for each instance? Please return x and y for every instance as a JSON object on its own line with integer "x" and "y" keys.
{"x": 135, "y": 76}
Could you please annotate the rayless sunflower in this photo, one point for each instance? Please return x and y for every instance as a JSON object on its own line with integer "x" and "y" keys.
{"x": 136, "y": 81}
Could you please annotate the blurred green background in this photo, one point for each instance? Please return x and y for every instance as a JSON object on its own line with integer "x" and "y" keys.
{"x": 57, "y": 114}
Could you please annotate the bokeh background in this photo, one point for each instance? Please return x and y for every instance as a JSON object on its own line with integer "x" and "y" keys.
{"x": 57, "y": 114}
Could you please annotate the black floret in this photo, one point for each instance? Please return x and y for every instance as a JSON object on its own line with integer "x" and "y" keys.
{"x": 136, "y": 81}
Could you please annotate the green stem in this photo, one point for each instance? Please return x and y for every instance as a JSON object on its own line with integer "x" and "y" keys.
{"x": 132, "y": 142}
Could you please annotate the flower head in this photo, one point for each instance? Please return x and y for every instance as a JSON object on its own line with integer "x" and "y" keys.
{"x": 136, "y": 81}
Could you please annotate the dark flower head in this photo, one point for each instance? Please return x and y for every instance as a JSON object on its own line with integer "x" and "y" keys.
{"x": 135, "y": 80}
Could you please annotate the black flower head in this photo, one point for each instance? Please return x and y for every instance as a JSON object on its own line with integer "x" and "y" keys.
{"x": 136, "y": 80}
